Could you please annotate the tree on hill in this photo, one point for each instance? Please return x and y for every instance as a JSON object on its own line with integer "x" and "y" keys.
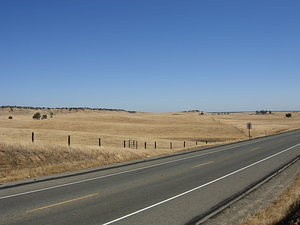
{"x": 37, "y": 116}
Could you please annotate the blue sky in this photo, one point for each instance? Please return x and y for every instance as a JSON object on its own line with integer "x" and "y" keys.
{"x": 153, "y": 55}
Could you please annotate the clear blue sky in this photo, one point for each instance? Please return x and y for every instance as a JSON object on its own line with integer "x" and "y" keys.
{"x": 151, "y": 55}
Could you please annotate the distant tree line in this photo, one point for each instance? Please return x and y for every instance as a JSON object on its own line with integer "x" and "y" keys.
{"x": 64, "y": 108}
{"x": 263, "y": 112}
{"x": 193, "y": 110}
{"x": 223, "y": 113}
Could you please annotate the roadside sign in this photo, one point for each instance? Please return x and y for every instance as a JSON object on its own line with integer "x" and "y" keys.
{"x": 249, "y": 126}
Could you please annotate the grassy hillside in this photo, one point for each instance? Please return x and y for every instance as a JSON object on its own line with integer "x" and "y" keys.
{"x": 49, "y": 154}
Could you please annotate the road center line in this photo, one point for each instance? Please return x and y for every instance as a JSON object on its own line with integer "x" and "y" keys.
{"x": 254, "y": 149}
{"x": 203, "y": 164}
{"x": 113, "y": 174}
{"x": 62, "y": 203}
{"x": 201, "y": 186}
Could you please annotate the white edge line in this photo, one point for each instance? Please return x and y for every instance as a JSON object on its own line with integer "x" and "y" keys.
{"x": 199, "y": 187}
{"x": 110, "y": 175}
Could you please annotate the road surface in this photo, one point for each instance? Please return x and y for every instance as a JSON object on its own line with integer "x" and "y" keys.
{"x": 171, "y": 190}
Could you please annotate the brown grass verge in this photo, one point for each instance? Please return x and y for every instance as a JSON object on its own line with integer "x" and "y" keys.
{"x": 24, "y": 161}
{"x": 278, "y": 211}
{"x": 19, "y": 161}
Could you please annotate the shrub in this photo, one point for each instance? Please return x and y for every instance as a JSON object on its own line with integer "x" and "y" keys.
{"x": 131, "y": 111}
{"x": 288, "y": 115}
{"x": 44, "y": 117}
{"x": 51, "y": 114}
{"x": 262, "y": 112}
{"x": 10, "y": 117}
{"x": 37, "y": 116}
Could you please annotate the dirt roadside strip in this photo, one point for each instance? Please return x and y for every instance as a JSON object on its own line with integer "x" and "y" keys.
{"x": 263, "y": 195}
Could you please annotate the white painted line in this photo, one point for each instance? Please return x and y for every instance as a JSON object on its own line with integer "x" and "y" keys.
{"x": 199, "y": 187}
{"x": 110, "y": 175}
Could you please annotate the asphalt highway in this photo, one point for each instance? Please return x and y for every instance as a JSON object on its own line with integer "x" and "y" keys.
{"x": 171, "y": 190}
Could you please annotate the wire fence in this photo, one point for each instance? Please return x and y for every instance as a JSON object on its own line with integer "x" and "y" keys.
{"x": 65, "y": 139}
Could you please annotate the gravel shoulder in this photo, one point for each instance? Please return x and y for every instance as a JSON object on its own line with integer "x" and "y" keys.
{"x": 257, "y": 200}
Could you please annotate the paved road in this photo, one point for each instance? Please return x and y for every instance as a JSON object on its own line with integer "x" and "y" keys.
{"x": 171, "y": 190}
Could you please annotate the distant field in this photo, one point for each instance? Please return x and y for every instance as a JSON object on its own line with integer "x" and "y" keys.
{"x": 49, "y": 154}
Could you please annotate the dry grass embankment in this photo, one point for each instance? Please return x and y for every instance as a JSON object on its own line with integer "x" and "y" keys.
{"x": 20, "y": 159}
{"x": 282, "y": 210}
{"x": 26, "y": 161}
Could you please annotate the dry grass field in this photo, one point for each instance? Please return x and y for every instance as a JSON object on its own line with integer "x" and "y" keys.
{"x": 283, "y": 206}
{"x": 49, "y": 154}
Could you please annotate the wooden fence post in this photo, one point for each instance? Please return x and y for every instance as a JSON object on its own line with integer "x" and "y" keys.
{"x": 155, "y": 144}
{"x": 171, "y": 145}
{"x": 32, "y": 137}
{"x": 99, "y": 142}
{"x": 184, "y": 144}
{"x": 124, "y": 144}
{"x": 145, "y": 145}
{"x": 69, "y": 140}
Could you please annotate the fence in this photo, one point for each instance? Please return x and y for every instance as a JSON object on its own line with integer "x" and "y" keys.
{"x": 92, "y": 140}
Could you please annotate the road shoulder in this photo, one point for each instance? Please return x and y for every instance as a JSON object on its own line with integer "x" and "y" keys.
{"x": 257, "y": 200}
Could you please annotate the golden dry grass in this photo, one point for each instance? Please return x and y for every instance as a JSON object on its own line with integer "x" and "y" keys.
{"x": 279, "y": 209}
{"x": 50, "y": 154}
{"x": 19, "y": 161}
